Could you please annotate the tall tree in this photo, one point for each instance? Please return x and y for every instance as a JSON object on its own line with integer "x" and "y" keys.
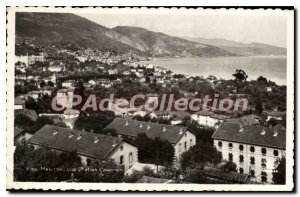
{"x": 280, "y": 171}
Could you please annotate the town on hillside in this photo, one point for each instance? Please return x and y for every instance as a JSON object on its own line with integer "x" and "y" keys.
{"x": 136, "y": 145}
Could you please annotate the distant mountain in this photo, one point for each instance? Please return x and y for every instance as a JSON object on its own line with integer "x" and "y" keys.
{"x": 159, "y": 44}
{"x": 242, "y": 48}
{"x": 48, "y": 29}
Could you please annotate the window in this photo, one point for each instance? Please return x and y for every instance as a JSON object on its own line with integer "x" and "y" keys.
{"x": 264, "y": 151}
{"x": 275, "y": 152}
{"x": 185, "y": 135}
{"x": 230, "y": 157}
{"x": 121, "y": 148}
{"x": 220, "y": 144}
{"x": 263, "y": 176}
{"x": 241, "y": 170}
{"x": 241, "y": 158}
{"x": 191, "y": 142}
{"x": 252, "y": 160}
{"x": 241, "y": 147}
{"x": 130, "y": 157}
{"x": 252, "y": 172}
{"x": 185, "y": 145}
{"x": 121, "y": 159}
{"x": 263, "y": 163}
{"x": 88, "y": 162}
{"x": 252, "y": 149}
{"x": 230, "y": 145}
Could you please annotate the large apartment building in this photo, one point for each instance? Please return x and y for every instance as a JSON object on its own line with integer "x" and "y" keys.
{"x": 180, "y": 137}
{"x": 253, "y": 148}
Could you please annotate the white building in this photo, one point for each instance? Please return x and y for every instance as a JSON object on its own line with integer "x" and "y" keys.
{"x": 64, "y": 96}
{"x": 253, "y": 148}
{"x": 87, "y": 145}
{"x": 180, "y": 137}
{"x": 68, "y": 83}
{"x": 209, "y": 119}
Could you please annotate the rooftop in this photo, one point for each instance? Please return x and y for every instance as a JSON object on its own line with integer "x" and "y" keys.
{"x": 85, "y": 143}
{"x": 132, "y": 128}
{"x": 252, "y": 134}
{"x": 17, "y": 131}
{"x": 245, "y": 120}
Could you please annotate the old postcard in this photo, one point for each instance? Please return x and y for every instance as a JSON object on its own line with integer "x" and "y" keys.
{"x": 150, "y": 99}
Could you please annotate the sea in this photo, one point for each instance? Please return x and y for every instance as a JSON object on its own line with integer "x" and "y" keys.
{"x": 273, "y": 68}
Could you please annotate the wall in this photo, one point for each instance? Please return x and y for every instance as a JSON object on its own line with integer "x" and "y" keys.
{"x": 179, "y": 146}
{"x": 127, "y": 149}
{"x": 258, "y": 156}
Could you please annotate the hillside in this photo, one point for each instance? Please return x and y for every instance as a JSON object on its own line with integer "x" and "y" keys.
{"x": 50, "y": 29}
{"x": 242, "y": 48}
{"x": 56, "y": 29}
{"x": 159, "y": 44}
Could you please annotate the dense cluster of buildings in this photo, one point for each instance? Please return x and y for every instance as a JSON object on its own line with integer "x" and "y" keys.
{"x": 253, "y": 147}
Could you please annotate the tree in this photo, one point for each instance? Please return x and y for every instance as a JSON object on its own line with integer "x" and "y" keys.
{"x": 50, "y": 83}
{"x": 199, "y": 155}
{"x": 42, "y": 84}
{"x": 157, "y": 150}
{"x": 136, "y": 175}
{"x": 258, "y": 105}
{"x": 41, "y": 122}
{"x": 279, "y": 171}
{"x": 240, "y": 75}
{"x": 23, "y": 121}
{"x": 230, "y": 167}
{"x": 196, "y": 176}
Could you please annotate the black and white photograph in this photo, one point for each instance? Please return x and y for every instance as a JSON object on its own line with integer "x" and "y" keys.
{"x": 150, "y": 99}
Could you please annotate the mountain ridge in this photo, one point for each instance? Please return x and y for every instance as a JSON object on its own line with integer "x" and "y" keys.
{"x": 241, "y": 48}
{"x": 56, "y": 28}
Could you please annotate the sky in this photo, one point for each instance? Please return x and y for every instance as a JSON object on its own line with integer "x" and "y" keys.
{"x": 263, "y": 29}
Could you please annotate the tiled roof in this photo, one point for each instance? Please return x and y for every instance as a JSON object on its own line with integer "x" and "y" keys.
{"x": 219, "y": 117}
{"x": 275, "y": 113}
{"x": 245, "y": 120}
{"x": 19, "y": 101}
{"x": 30, "y": 113}
{"x": 227, "y": 176}
{"x": 132, "y": 128}
{"x": 17, "y": 131}
{"x": 86, "y": 145}
{"x": 204, "y": 113}
{"x": 251, "y": 134}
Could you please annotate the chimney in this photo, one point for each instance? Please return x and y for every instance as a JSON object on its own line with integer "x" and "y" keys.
{"x": 181, "y": 131}
{"x": 55, "y": 132}
{"x": 114, "y": 142}
{"x": 96, "y": 139}
{"x": 71, "y": 134}
{"x": 241, "y": 128}
{"x": 275, "y": 133}
{"x": 126, "y": 123}
{"x": 164, "y": 129}
{"x": 79, "y": 136}
{"x": 141, "y": 125}
{"x": 263, "y": 132}
{"x": 148, "y": 127}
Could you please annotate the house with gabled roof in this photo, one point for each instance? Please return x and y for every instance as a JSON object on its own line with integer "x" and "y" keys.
{"x": 180, "y": 137}
{"x": 253, "y": 148}
{"x": 86, "y": 144}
